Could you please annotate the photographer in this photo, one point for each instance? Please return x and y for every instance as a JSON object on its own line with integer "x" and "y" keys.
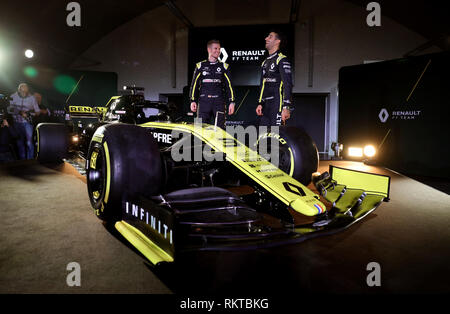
{"x": 23, "y": 107}
{"x": 7, "y": 135}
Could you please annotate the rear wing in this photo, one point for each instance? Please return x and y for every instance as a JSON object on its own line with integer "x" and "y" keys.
{"x": 85, "y": 112}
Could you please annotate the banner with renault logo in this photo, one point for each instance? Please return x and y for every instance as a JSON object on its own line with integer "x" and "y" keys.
{"x": 400, "y": 107}
{"x": 242, "y": 47}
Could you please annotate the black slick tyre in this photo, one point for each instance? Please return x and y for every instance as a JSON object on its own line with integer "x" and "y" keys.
{"x": 298, "y": 155}
{"x": 52, "y": 142}
{"x": 123, "y": 161}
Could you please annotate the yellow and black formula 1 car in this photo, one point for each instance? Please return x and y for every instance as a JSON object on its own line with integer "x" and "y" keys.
{"x": 170, "y": 187}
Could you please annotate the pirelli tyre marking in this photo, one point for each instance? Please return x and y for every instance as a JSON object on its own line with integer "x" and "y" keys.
{"x": 98, "y": 138}
{"x": 291, "y": 171}
{"x": 100, "y": 185}
{"x": 259, "y": 169}
{"x": 283, "y": 142}
{"x": 93, "y": 163}
{"x": 108, "y": 172}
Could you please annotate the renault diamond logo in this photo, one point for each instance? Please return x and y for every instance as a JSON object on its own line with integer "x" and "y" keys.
{"x": 383, "y": 115}
{"x": 224, "y": 54}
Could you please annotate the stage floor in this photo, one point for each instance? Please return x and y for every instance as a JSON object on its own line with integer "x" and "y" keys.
{"x": 47, "y": 222}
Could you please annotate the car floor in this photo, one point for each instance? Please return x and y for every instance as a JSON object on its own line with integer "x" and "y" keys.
{"x": 47, "y": 223}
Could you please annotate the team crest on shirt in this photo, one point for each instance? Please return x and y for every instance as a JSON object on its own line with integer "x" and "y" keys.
{"x": 219, "y": 70}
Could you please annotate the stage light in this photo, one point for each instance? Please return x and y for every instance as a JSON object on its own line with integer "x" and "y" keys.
{"x": 355, "y": 152}
{"x": 29, "y": 53}
{"x": 3, "y": 56}
{"x": 30, "y": 71}
{"x": 75, "y": 138}
{"x": 369, "y": 151}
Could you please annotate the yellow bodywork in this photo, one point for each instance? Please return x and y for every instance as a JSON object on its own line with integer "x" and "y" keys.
{"x": 369, "y": 182}
{"x": 279, "y": 184}
{"x": 146, "y": 246}
{"x": 87, "y": 110}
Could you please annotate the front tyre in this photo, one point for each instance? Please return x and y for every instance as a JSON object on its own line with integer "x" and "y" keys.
{"x": 123, "y": 160}
{"x": 298, "y": 155}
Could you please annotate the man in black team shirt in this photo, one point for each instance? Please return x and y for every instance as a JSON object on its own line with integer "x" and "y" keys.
{"x": 211, "y": 87}
{"x": 274, "y": 101}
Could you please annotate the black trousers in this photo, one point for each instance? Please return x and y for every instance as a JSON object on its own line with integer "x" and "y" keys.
{"x": 209, "y": 106}
{"x": 272, "y": 108}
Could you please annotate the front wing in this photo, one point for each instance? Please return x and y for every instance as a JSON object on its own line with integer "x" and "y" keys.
{"x": 212, "y": 218}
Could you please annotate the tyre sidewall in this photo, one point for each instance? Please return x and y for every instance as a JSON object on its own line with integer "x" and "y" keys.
{"x": 301, "y": 148}
{"x": 131, "y": 163}
{"x": 52, "y": 142}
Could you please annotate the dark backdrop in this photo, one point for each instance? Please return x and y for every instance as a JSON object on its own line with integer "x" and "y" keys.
{"x": 387, "y": 98}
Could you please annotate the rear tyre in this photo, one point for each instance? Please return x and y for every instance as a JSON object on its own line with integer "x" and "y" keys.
{"x": 123, "y": 161}
{"x": 298, "y": 155}
{"x": 52, "y": 142}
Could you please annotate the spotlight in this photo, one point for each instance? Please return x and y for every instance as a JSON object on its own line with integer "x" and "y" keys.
{"x": 355, "y": 152}
{"x": 369, "y": 151}
{"x": 29, "y": 53}
{"x": 75, "y": 138}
